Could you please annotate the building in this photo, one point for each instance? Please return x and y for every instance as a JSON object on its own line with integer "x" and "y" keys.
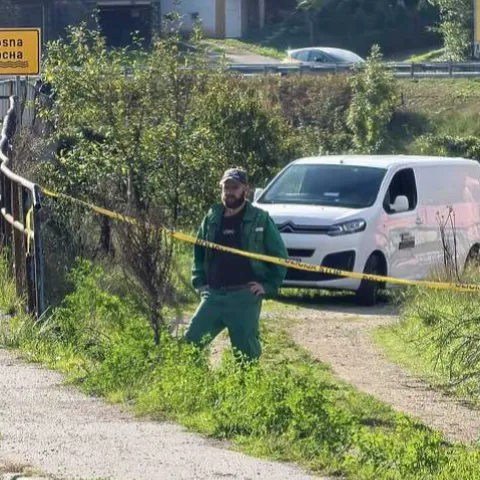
{"x": 118, "y": 18}
{"x": 221, "y": 18}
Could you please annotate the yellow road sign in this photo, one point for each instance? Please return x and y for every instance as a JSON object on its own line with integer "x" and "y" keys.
{"x": 20, "y": 51}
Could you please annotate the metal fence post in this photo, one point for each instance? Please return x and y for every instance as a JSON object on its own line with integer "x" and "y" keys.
{"x": 38, "y": 253}
{"x": 20, "y": 221}
{"x": 18, "y": 93}
{"x": 7, "y": 193}
{"x": 27, "y": 205}
{"x": 18, "y": 243}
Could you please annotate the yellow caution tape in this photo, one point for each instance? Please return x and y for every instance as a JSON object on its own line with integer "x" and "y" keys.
{"x": 459, "y": 287}
{"x": 29, "y": 229}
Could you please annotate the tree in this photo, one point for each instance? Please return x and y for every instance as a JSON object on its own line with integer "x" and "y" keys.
{"x": 148, "y": 133}
{"x": 311, "y": 9}
{"x": 373, "y": 104}
{"x": 456, "y": 27}
{"x": 357, "y": 24}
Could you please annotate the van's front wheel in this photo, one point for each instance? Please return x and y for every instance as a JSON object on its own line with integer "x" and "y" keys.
{"x": 367, "y": 293}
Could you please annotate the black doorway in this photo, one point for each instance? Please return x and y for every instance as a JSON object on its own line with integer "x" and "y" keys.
{"x": 118, "y": 22}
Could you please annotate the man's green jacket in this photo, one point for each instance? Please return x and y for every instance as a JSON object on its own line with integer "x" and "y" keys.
{"x": 259, "y": 234}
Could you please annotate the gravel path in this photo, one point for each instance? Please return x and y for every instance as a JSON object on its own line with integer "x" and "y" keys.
{"x": 338, "y": 334}
{"x": 62, "y": 432}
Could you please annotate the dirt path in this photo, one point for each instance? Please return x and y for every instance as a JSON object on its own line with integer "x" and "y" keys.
{"x": 59, "y": 431}
{"x": 338, "y": 334}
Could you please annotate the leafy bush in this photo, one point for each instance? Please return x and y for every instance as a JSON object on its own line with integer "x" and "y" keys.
{"x": 456, "y": 27}
{"x": 372, "y": 106}
{"x": 147, "y": 133}
{"x": 138, "y": 131}
{"x": 450, "y": 146}
{"x": 315, "y": 108}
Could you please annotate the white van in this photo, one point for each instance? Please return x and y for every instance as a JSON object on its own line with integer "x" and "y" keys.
{"x": 373, "y": 214}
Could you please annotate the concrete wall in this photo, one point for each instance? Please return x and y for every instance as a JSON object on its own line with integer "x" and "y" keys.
{"x": 52, "y": 16}
{"x": 233, "y": 19}
{"x": 204, "y": 8}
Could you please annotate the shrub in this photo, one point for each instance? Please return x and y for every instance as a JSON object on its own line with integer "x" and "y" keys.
{"x": 448, "y": 328}
{"x": 456, "y": 27}
{"x": 372, "y": 106}
{"x": 451, "y": 146}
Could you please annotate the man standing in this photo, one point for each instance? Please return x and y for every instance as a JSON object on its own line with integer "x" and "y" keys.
{"x": 232, "y": 287}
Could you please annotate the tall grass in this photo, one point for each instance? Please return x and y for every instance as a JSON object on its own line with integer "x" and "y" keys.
{"x": 285, "y": 407}
{"x": 9, "y": 302}
{"x": 439, "y": 337}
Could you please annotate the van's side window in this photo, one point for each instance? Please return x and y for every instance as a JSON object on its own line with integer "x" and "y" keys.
{"x": 402, "y": 184}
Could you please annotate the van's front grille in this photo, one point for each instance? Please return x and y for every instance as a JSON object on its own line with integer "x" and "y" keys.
{"x": 290, "y": 227}
{"x": 341, "y": 261}
{"x": 300, "y": 252}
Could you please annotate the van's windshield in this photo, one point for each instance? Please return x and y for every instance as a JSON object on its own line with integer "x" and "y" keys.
{"x": 329, "y": 185}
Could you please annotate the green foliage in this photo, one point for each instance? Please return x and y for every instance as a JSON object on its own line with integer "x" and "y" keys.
{"x": 9, "y": 303}
{"x": 372, "y": 106}
{"x": 456, "y": 27}
{"x": 148, "y": 133}
{"x": 358, "y": 24}
{"x": 142, "y": 130}
{"x": 236, "y": 46}
{"x": 286, "y": 406}
{"x": 245, "y": 130}
{"x": 450, "y": 146}
{"x": 436, "y": 55}
{"x": 315, "y": 107}
{"x": 444, "y": 325}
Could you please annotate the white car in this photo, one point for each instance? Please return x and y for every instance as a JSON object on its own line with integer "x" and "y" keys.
{"x": 323, "y": 55}
{"x": 373, "y": 214}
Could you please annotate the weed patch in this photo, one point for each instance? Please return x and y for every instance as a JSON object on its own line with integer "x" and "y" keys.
{"x": 438, "y": 339}
{"x": 286, "y": 407}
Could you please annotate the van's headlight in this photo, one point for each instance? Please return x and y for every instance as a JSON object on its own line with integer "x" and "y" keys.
{"x": 345, "y": 228}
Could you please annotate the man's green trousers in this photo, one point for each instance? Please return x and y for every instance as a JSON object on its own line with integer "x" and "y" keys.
{"x": 238, "y": 311}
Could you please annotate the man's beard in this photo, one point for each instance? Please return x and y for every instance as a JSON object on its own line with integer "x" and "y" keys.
{"x": 233, "y": 202}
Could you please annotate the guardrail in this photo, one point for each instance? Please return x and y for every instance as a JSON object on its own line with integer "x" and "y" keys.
{"x": 20, "y": 204}
{"x": 399, "y": 70}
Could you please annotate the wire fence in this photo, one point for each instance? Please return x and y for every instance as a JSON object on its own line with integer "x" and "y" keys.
{"x": 20, "y": 205}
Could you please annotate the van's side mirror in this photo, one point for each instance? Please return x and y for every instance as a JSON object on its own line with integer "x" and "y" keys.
{"x": 400, "y": 205}
{"x": 257, "y": 193}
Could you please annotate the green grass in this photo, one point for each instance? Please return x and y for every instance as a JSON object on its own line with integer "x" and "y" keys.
{"x": 238, "y": 47}
{"x": 440, "y": 107}
{"x": 9, "y": 303}
{"x": 400, "y": 344}
{"x": 289, "y": 407}
{"x": 436, "y": 55}
{"x": 437, "y": 340}
{"x": 433, "y": 98}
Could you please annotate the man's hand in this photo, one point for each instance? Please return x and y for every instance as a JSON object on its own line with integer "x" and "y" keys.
{"x": 256, "y": 288}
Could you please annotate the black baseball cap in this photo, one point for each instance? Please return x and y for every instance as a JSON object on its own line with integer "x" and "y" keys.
{"x": 235, "y": 174}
